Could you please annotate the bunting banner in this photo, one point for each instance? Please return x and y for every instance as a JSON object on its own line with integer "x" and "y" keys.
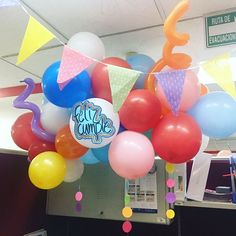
{"x": 36, "y": 35}
{"x": 121, "y": 82}
{"x": 219, "y": 69}
{"x": 72, "y": 63}
{"x": 172, "y": 83}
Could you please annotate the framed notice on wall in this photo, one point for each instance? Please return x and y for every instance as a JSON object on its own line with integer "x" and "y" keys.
{"x": 220, "y": 29}
{"x": 143, "y": 193}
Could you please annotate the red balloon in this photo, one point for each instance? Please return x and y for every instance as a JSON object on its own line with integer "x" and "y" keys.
{"x": 177, "y": 139}
{"x": 100, "y": 78}
{"x": 21, "y": 131}
{"x": 38, "y": 147}
{"x": 141, "y": 111}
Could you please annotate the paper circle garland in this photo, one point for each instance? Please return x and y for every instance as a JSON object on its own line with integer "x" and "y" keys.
{"x": 127, "y": 212}
{"x": 78, "y": 196}
{"x": 170, "y": 183}
{"x": 170, "y": 214}
{"x": 127, "y": 226}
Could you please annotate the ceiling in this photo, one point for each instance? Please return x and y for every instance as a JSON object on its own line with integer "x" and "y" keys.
{"x": 67, "y": 17}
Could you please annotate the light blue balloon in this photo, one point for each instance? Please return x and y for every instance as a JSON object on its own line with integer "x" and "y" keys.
{"x": 142, "y": 63}
{"x": 89, "y": 158}
{"x": 216, "y": 114}
{"x": 102, "y": 153}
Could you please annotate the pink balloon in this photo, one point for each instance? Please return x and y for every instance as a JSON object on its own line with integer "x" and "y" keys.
{"x": 131, "y": 155}
{"x": 191, "y": 92}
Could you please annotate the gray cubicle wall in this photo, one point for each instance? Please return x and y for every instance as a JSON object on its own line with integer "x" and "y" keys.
{"x": 103, "y": 194}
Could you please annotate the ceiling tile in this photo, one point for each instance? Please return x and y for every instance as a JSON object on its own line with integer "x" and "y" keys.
{"x": 101, "y": 17}
{"x": 13, "y": 22}
{"x": 40, "y": 60}
{"x": 13, "y": 25}
{"x": 11, "y": 75}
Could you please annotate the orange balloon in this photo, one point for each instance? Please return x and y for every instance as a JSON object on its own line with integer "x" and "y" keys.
{"x": 67, "y": 146}
{"x": 204, "y": 90}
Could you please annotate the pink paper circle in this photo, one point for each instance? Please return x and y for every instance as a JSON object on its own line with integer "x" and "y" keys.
{"x": 170, "y": 198}
{"x": 127, "y": 226}
{"x": 78, "y": 196}
{"x": 170, "y": 183}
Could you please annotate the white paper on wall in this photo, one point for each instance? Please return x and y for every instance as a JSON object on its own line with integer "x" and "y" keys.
{"x": 198, "y": 177}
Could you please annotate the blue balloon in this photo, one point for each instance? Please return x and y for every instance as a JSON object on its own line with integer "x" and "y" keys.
{"x": 76, "y": 90}
{"x": 142, "y": 63}
{"x": 102, "y": 153}
{"x": 89, "y": 158}
{"x": 216, "y": 114}
{"x": 121, "y": 128}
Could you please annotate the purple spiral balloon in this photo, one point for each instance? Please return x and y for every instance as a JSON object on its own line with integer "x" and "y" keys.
{"x": 20, "y": 102}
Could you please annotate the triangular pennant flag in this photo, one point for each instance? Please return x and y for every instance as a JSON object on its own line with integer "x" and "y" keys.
{"x": 219, "y": 69}
{"x": 36, "y": 35}
{"x": 72, "y": 63}
{"x": 172, "y": 83}
{"x": 121, "y": 82}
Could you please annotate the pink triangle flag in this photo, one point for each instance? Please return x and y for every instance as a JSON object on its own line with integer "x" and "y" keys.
{"x": 72, "y": 63}
{"x": 172, "y": 83}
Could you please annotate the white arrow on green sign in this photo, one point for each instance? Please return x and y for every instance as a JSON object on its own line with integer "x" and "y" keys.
{"x": 221, "y": 29}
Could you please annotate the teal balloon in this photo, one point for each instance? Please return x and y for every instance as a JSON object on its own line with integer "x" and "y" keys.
{"x": 143, "y": 63}
{"x": 216, "y": 114}
{"x": 148, "y": 134}
{"x": 89, "y": 158}
{"x": 78, "y": 89}
{"x": 102, "y": 153}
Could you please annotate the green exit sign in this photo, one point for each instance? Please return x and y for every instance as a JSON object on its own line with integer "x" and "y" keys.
{"x": 220, "y": 29}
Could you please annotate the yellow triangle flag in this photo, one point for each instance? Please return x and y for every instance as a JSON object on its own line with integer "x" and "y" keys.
{"x": 219, "y": 69}
{"x": 36, "y": 35}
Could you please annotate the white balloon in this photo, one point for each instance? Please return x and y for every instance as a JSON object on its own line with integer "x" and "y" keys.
{"x": 93, "y": 123}
{"x": 88, "y": 44}
{"x": 74, "y": 170}
{"x": 53, "y": 118}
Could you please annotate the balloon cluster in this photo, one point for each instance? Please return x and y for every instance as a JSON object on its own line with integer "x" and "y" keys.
{"x": 77, "y": 125}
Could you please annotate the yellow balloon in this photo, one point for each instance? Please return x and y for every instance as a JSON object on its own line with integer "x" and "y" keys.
{"x": 47, "y": 170}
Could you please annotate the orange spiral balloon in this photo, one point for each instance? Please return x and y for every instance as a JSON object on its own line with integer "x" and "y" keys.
{"x": 173, "y": 60}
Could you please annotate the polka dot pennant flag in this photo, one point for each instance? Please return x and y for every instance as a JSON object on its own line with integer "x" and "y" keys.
{"x": 172, "y": 83}
{"x": 121, "y": 81}
{"x": 72, "y": 63}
